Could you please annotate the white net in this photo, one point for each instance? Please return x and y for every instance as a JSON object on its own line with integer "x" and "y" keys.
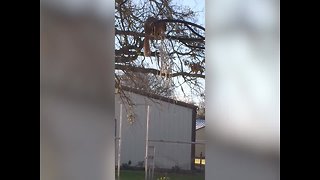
{"x": 165, "y": 62}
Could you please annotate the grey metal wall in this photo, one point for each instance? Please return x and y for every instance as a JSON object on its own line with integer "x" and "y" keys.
{"x": 167, "y": 122}
{"x": 200, "y": 148}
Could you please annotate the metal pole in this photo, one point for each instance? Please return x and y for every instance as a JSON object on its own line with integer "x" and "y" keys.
{"x": 119, "y": 142}
{"x": 115, "y": 129}
{"x": 147, "y": 145}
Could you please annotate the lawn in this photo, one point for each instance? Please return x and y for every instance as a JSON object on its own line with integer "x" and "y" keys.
{"x": 139, "y": 175}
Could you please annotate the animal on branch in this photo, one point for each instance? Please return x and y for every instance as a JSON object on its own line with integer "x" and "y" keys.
{"x": 154, "y": 30}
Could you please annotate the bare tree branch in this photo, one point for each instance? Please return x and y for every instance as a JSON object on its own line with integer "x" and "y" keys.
{"x": 155, "y": 71}
{"x": 184, "y": 22}
{"x": 121, "y": 32}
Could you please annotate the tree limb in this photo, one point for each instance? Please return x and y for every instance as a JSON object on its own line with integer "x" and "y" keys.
{"x": 181, "y": 21}
{"x": 120, "y": 32}
{"x": 154, "y": 71}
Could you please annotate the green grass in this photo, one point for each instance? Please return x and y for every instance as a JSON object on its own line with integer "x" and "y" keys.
{"x": 139, "y": 175}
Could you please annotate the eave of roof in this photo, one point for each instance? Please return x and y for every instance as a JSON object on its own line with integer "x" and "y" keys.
{"x": 158, "y": 97}
{"x": 200, "y": 128}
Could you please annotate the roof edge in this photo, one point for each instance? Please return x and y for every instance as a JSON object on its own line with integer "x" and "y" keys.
{"x": 158, "y": 97}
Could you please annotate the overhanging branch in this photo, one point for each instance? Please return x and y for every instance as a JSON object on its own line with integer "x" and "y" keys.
{"x": 154, "y": 71}
{"x": 181, "y": 21}
{"x": 120, "y": 32}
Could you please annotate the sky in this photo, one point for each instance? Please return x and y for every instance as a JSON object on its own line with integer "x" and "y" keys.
{"x": 199, "y": 6}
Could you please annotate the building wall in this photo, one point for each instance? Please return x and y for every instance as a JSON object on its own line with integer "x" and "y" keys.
{"x": 200, "y": 136}
{"x": 167, "y": 122}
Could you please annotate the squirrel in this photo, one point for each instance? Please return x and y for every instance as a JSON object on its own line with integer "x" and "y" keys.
{"x": 153, "y": 30}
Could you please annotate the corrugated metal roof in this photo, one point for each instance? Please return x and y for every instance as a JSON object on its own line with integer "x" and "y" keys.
{"x": 200, "y": 123}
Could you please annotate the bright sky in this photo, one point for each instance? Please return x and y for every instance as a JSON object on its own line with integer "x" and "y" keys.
{"x": 198, "y": 6}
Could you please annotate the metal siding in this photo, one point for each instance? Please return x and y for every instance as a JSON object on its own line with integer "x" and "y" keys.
{"x": 200, "y": 136}
{"x": 167, "y": 122}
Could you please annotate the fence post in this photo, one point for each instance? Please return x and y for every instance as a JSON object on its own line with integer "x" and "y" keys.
{"x": 147, "y": 144}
